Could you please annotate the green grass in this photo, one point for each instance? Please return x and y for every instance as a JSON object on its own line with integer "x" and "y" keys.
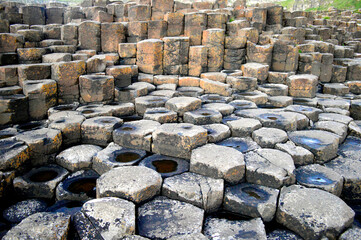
{"x": 339, "y": 4}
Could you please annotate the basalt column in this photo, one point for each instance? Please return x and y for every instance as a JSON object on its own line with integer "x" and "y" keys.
{"x": 175, "y": 57}
{"x": 150, "y": 56}
{"x": 213, "y": 39}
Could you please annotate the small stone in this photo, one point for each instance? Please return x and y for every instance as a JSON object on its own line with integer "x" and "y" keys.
{"x": 251, "y": 200}
{"x": 269, "y": 137}
{"x": 317, "y": 176}
{"x": 112, "y": 217}
{"x": 77, "y": 157}
{"x": 217, "y": 228}
{"x": 313, "y": 213}
{"x": 133, "y": 183}
{"x": 244, "y": 127}
{"x": 41, "y": 225}
{"x": 163, "y": 218}
{"x": 322, "y": 144}
{"x": 201, "y": 191}
{"x": 301, "y": 156}
{"x": 205, "y": 161}
{"x": 269, "y": 167}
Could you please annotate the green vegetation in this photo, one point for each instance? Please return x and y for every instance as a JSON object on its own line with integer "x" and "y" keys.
{"x": 326, "y": 17}
{"x": 287, "y": 3}
{"x": 339, "y": 4}
{"x": 231, "y": 19}
{"x": 299, "y": 51}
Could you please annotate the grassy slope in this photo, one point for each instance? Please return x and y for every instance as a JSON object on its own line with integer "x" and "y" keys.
{"x": 339, "y": 4}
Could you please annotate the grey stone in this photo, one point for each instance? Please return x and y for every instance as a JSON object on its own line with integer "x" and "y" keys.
{"x": 269, "y": 137}
{"x": 163, "y": 218}
{"x": 334, "y": 117}
{"x": 216, "y": 228}
{"x": 21, "y": 210}
{"x": 194, "y": 236}
{"x": 40, "y": 182}
{"x": 41, "y": 225}
{"x": 337, "y": 128}
{"x": 310, "y": 112}
{"x": 322, "y": 144}
{"x": 224, "y": 108}
{"x": 112, "y": 217}
{"x": 205, "y": 161}
{"x": 244, "y": 127}
{"x": 99, "y": 130}
{"x": 283, "y": 235}
{"x": 178, "y": 140}
{"x": 161, "y": 115}
{"x": 202, "y": 116}
{"x": 79, "y": 186}
{"x": 317, "y": 176}
{"x": 133, "y": 183}
{"x": 350, "y": 171}
{"x": 136, "y": 134}
{"x": 251, "y": 200}
{"x": 217, "y": 132}
{"x": 352, "y": 233}
{"x": 13, "y": 154}
{"x": 142, "y": 103}
{"x": 301, "y": 156}
{"x": 77, "y": 157}
{"x": 183, "y": 104}
{"x": 166, "y": 166}
{"x": 269, "y": 167}
{"x": 313, "y": 213}
{"x": 201, "y": 191}
{"x": 115, "y": 156}
{"x": 240, "y": 144}
{"x": 350, "y": 148}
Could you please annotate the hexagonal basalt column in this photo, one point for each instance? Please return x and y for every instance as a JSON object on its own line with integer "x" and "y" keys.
{"x": 163, "y": 218}
{"x": 137, "y": 134}
{"x": 322, "y": 144}
{"x": 96, "y": 88}
{"x": 205, "y": 161}
{"x": 183, "y": 104}
{"x": 150, "y": 56}
{"x": 40, "y": 182}
{"x": 99, "y": 130}
{"x": 178, "y": 140}
{"x": 133, "y": 183}
{"x": 304, "y": 85}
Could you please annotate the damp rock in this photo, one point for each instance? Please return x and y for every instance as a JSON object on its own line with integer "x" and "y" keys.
{"x": 350, "y": 148}
{"x": 116, "y": 156}
{"x": 112, "y": 217}
{"x": 251, "y": 200}
{"x": 163, "y": 218}
{"x": 40, "y": 182}
{"x": 165, "y": 166}
{"x": 21, "y": 210}
{"x": 13, "y": 154}
{"x": 217, "y": 132}
{"x": 99, "y": 130}
{"x": 349, "y": 169}
{"x": 178, "y": 140}
{"x": 301, "y": 156}
{"x": 79, "y": 186}
{"x": 77, "y": 157}
{"x": 218, "y": 228}
{"x": 269, "y": 137}
{"x": 205, "y": 161}
{"x": 201, "y": 191}
{"x": 244, "y": 127}
{"x": 269, "y": 167}
{"x": 317, "y": 176}
{"x": 42, "y": 143}
{"x": 283, "y": 234}
{"x": 134, "y": 183}
{"x": 313, "y": 213}
{"x": 41, "y": 225}
{"x": 240, "y": 144}
{"x": 136, "y": 134}
{"x": 322, "y": 144}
